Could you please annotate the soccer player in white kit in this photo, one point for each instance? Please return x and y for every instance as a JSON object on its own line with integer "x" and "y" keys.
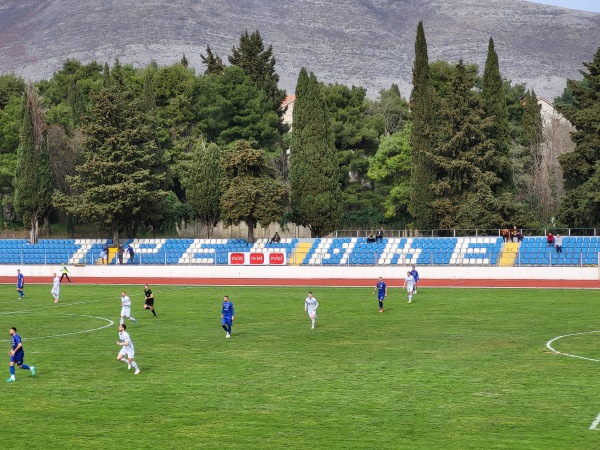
{"x": 126, "y": 308}
{"x": 55, "y": 288}
{"x": 409, "y": 284}
{"x": 126, "y": 349}
{"x": 311, "y": 304}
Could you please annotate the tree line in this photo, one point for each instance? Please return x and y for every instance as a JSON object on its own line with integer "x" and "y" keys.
{"x": 149, "y": 149}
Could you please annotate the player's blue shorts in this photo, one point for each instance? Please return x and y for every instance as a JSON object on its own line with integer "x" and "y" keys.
{"x": 226, "y": 320}
{"x": 380, "y": 297}
{"x": 18, "y": 358}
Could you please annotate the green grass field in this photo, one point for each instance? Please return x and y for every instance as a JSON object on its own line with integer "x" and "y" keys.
{"x": 457, "y": 369}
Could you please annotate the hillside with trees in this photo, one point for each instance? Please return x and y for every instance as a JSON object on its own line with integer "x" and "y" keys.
{"x": 160, "y": 149}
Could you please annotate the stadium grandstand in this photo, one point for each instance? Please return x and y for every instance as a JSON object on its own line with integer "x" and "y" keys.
{"x": 343, "y": 251}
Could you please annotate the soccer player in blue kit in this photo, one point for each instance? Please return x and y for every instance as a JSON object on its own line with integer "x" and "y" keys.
{"x": 382, "y": 292}
{"x": 20, "y": 284}
{"x": 415, "y": 275}
{"x": 17, "y": 354}
{"x": 227, "y": 316}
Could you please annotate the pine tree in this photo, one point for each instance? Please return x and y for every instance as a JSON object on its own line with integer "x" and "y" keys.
{"x": 423, "y": 104}
{"x": 495, "y": 110}
{"x": 464, "y": 161}
{"x": 581, "y": 168}
{"x": 124, "y": 171}
{"x": 259, "y": 65}
{"x": 33, "y": 181}
{"x": 214, "y": 63}
{"x": 148, "y": 101}
{"x": 316, "y": 198}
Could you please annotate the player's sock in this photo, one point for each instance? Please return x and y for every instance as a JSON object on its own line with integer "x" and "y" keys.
{"x": 380, "y": 305}
{"x": 313, "y": 323}
{"x": 224, "y": 327}
{"x": 229, "y": 328}
{"x": 153, "y": 312}
{"x": 133, "y": 319}
{"x": 122, "y": 321}
{"x": 12, "y": 371}
{"x": 134, "y": 365}
{"x": 123, "y": 360}
{"x": 26, "y": 367}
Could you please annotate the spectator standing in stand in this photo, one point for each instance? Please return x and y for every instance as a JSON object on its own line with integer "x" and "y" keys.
{"x": 104, "y": 255}
{"x": 131, "y": 253}
{"x": 514, "y": 234}
{"x": 379, "y": 235}
{"x": 558, "y": 243}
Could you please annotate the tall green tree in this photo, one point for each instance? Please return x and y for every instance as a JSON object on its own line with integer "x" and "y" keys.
{"x": 391, "y": 107}
{"x": 464, "y": 161}
{"x": 12, "y": 89}
{"x": 231, "y": 108}
{"x": 33, "y": 180}
{"x": 423, "y": 104}
{"x": 314, "y": 170}
{"x": 124, "y": 171}
{"x": 391, "y": 166}
{"x": 581, "y": 168}
{"x": 213, "y": 62}
{"x": 202, "y": 179}
{"x": 251, "y": 193}
{"x": 495, "y": 110}
{"x": 259, "y": 64}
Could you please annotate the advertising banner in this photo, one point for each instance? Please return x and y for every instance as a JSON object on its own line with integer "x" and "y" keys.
{"x": 257, "y": 259}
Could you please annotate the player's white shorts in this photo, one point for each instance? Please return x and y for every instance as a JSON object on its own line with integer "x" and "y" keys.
{"x": 125, "y": 311}
{"x": 129, "y": 352}
{"x": 410, "y": 288}
{"x": 312, "y": 312}
{"x": 55, "y": 293}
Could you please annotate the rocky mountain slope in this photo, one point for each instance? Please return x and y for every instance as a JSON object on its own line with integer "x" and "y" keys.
{"x": 362, "y": 42}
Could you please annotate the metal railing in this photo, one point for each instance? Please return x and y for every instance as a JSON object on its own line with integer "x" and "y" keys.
{"x": 466, "y": 232}
{"x": 549, "y": 258}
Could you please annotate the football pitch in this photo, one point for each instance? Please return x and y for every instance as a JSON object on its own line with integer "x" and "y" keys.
{"x": 456, "y": 369}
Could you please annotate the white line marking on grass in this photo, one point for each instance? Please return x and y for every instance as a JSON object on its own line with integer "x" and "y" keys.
{"x": 110, "y": 323}
{"x": 549, "y": 345}
{"x": 85, "y": 302}
{"x": 595, "y": 423}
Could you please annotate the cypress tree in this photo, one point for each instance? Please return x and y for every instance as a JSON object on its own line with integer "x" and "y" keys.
{"x": 316, "y": 198}
{"x": 423, "y": 106}
{"x": 202, "y": 179}
{"x": 33, "y": 181}
{"x": 496, "y": 113}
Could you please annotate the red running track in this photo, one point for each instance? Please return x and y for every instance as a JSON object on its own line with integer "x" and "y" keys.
{"x": 341, "y": 282}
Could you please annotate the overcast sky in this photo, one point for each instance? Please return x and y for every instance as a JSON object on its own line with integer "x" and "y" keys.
{"x": 585, "y": 5}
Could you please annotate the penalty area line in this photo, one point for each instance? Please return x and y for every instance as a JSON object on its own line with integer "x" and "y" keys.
{"x": 549, "y": 345}
{"x": 595, "y": 423}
